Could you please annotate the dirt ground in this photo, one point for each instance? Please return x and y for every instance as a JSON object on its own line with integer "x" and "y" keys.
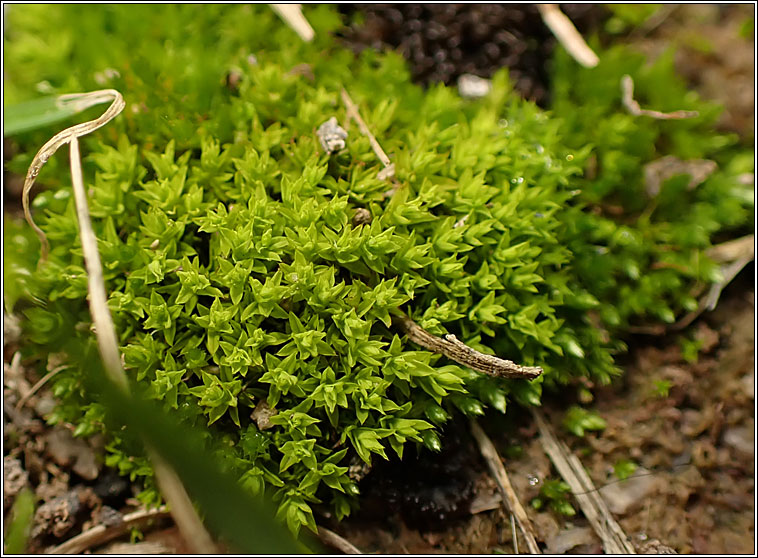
{"x": 683, "y": 413}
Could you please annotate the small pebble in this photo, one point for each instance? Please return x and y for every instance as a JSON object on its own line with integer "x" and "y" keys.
{"x": 473, "y": 87}
{"x": 331, "y": 136}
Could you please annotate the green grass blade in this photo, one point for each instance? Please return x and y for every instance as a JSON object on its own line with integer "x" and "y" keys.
{"x": 35, "y": 114}
{"x": 20, "y": 526}
{"x": 245, "y": 522}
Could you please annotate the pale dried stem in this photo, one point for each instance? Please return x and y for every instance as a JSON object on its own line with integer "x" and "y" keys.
{"x": 352, "y": 112}
{"x": 36, "y": 387}
{"x": 495, "y": 465}
{"x": 654, "y": 21}
{"x": 627, "y": 91}
{"x": 591, "y": 503}
{"x": 80, "y": 101}
{"x": 182, "y": 510}
{"x": 733, "y": 250}
{"x": 181, "y": 507}
{"x": 567, "y": 35}
{"x": 292, "y": 14}
{"x": 335, "y": 541}
{"x": 461, "y": 353}
{"x": 105, "y": 332}
{"x": 100, "y": 534}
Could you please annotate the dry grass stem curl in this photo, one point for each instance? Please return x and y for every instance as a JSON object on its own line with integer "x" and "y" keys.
{"x": 80, "y": 101}
{"x": 627, "y": 90}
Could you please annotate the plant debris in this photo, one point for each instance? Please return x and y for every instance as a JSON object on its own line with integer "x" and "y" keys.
{"x": 331, "y": 136}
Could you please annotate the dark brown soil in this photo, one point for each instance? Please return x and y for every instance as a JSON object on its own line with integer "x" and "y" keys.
{"x": 443, "y": 41}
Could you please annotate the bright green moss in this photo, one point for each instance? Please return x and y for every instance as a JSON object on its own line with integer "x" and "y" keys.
{"x": 236, "y": 275}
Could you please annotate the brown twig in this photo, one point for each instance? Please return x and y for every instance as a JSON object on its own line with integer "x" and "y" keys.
{"x": 101, "y": 534}
{"x": 592, "y": 504}
{"x": 335, "y": 541}
{"x": 498, "y": 471}
{"x": 567, "y": 35}
{"x": 352, "y": 112}
{"x": 461, "y": 353}
{"x": 627, "y": 91}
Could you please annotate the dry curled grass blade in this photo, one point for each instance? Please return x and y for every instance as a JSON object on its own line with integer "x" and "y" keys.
{"x": 627, "y": 91}
{"x": 79, "y": 101}
{"x": 171, "y": 486}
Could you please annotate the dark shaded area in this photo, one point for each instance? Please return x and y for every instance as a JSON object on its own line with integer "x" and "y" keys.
{"x": 427, "y": 489}
{"x": 443, "y": 41}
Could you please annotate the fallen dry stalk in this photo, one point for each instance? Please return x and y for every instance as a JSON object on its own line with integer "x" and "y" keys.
{"x": 100, "y": 534}
{"x": 105, "y": 332}
{"x": 335, "y": 541}
{"x": 495, "y": 464}
{"x": 352, "y": 112}
{"x": 36, "y": 387}
{"x": 627, "y": 91}
{"x": 181, "y": 507}
{"x": 592, "y": 504}
{"x": 461, "y": 353}
{"x": 567, "y": 35}
{"x": 292, "y": 15}
{"x": 733, "y": 250}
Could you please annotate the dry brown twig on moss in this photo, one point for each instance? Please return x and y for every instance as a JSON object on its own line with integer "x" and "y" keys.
{"x": 171, "y": 486}
{"x": 461, "y": 353}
